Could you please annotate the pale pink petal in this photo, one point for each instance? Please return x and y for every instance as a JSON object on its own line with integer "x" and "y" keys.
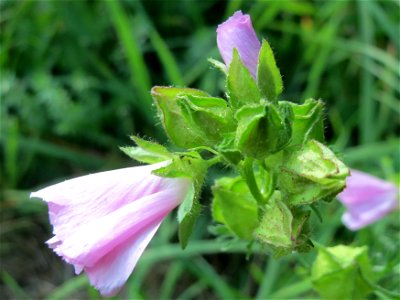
{"x": 93, "y": 240}
{"x": 110, "y": 273}
{"x": 367, "y": 199}
{"x": 77, "y": 201}
{"x": 238, "y": 32}
{"x": 103, "y": 222}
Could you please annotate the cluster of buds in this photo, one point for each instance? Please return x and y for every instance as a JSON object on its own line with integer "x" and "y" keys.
{"x": 275, "y": 149}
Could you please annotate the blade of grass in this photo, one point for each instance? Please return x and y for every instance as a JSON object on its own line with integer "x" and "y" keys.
{"x": 171, "y": 277}
{"x": 293, "y": 291}
{"x": 68, "y": 288}
{"x": 232, "y": 7}
{"x": 366, "y": 102}
{"x": 88, "y": 160}
{"x": 192, "y": 291}
{"x": 207, "y": 274}
{"x": 13, "y": 285}
{"x": 270, "y": 275}
{"x": 167, "y": 59}
{"x": 350, "y": 46}
{"x": 371, "y": 151}
{"x": 160, "y": 46}
{"x": 140, "y": 75}
{"x": 392, "y": 30}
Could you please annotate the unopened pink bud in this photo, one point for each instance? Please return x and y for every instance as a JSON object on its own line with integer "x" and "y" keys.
{"x": 238, "y": 32}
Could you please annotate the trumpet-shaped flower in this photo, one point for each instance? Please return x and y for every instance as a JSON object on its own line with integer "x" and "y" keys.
{"x": 238, "y": 32}
{"x": 367, "y": 199}
{"x": 103, "y": 222}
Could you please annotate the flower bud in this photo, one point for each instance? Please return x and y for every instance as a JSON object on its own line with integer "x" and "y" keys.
{"x": 311, "y": 173}
{"x": 238, "y": 32}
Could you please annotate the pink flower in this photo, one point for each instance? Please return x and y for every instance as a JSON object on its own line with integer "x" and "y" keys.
{"x": 103, "y": 222}
{"x": 367, "y": 199}
{"x": 238, "y": 32}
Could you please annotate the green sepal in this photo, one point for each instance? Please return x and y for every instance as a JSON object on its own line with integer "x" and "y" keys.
{"x": 234, "y": 206}
{"x": 310, "y": 174}
{"x": 263, "y": 129}
{"x": 228, "y": 151}
{"x": 219, "y": 65}
{"x": 342, "y": 272}
{"x": 209, "y": 117}
{"x": 308, "y": 122}
{"x": 242, "y": 89}
{"x": 170, "y": 114}
{"x": 269, "y": 79}
{"x": 276, "y": 224}
{"x": 146, "y": 151}
{"x": 189, "y": 165}
{"x": 300, "y": 235}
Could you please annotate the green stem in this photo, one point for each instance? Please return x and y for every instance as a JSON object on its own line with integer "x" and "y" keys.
{"x": 214, "y": 160}
{"x": 247, "y": 171}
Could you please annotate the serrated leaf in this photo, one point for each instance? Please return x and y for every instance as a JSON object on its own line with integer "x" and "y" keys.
{"x": 269, "y": 79}
{"x": 242, "y": 89}
{"x": 147, "y": 152}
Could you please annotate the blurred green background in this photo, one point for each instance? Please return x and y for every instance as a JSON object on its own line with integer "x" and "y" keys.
{"x": 74, "y": 84}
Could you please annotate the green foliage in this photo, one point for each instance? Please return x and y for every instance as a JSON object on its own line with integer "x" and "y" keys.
{"x": 210, "y": 117}
{"x": 69, "y": 96}
{"x": 146, "y": 151}
{"x": 242, "y": 88}
{"x": 313, "y": 172}
{"x": 175, "y": 124}
{"x": 269, "y": 79}
{"x": 308, "y": 122}
{"x": 342, "y": 272}
{"x": 234, "y": 206}
{"x": 191, "y": 166}
{"x": 276, "y": 224}
{"x": 262, "y": 129}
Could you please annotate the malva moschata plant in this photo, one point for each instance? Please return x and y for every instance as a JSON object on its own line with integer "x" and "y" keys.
{"x": 275, "y": 150}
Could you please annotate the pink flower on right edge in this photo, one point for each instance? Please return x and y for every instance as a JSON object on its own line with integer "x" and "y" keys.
{"x": 367, "y": 199}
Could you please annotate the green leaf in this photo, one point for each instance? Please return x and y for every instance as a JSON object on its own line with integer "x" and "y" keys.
{"x": 308, "y": 122}
{"x": 170, "y": 114}
{"x": 147, "y": 152}
{"x": 269, "y": 78}
{"x": 262, "y": 129}
{"x": 234, "y": 206}
{"x": 189, "y": 165}
{"x": 310, "y": 174}
{"x": 242, "y": 88}
{"x": 209, "y": 117}
{"x": 188, "y": 212}
{"x": 342, "y": 272}
{"x": 276, "y": 225}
